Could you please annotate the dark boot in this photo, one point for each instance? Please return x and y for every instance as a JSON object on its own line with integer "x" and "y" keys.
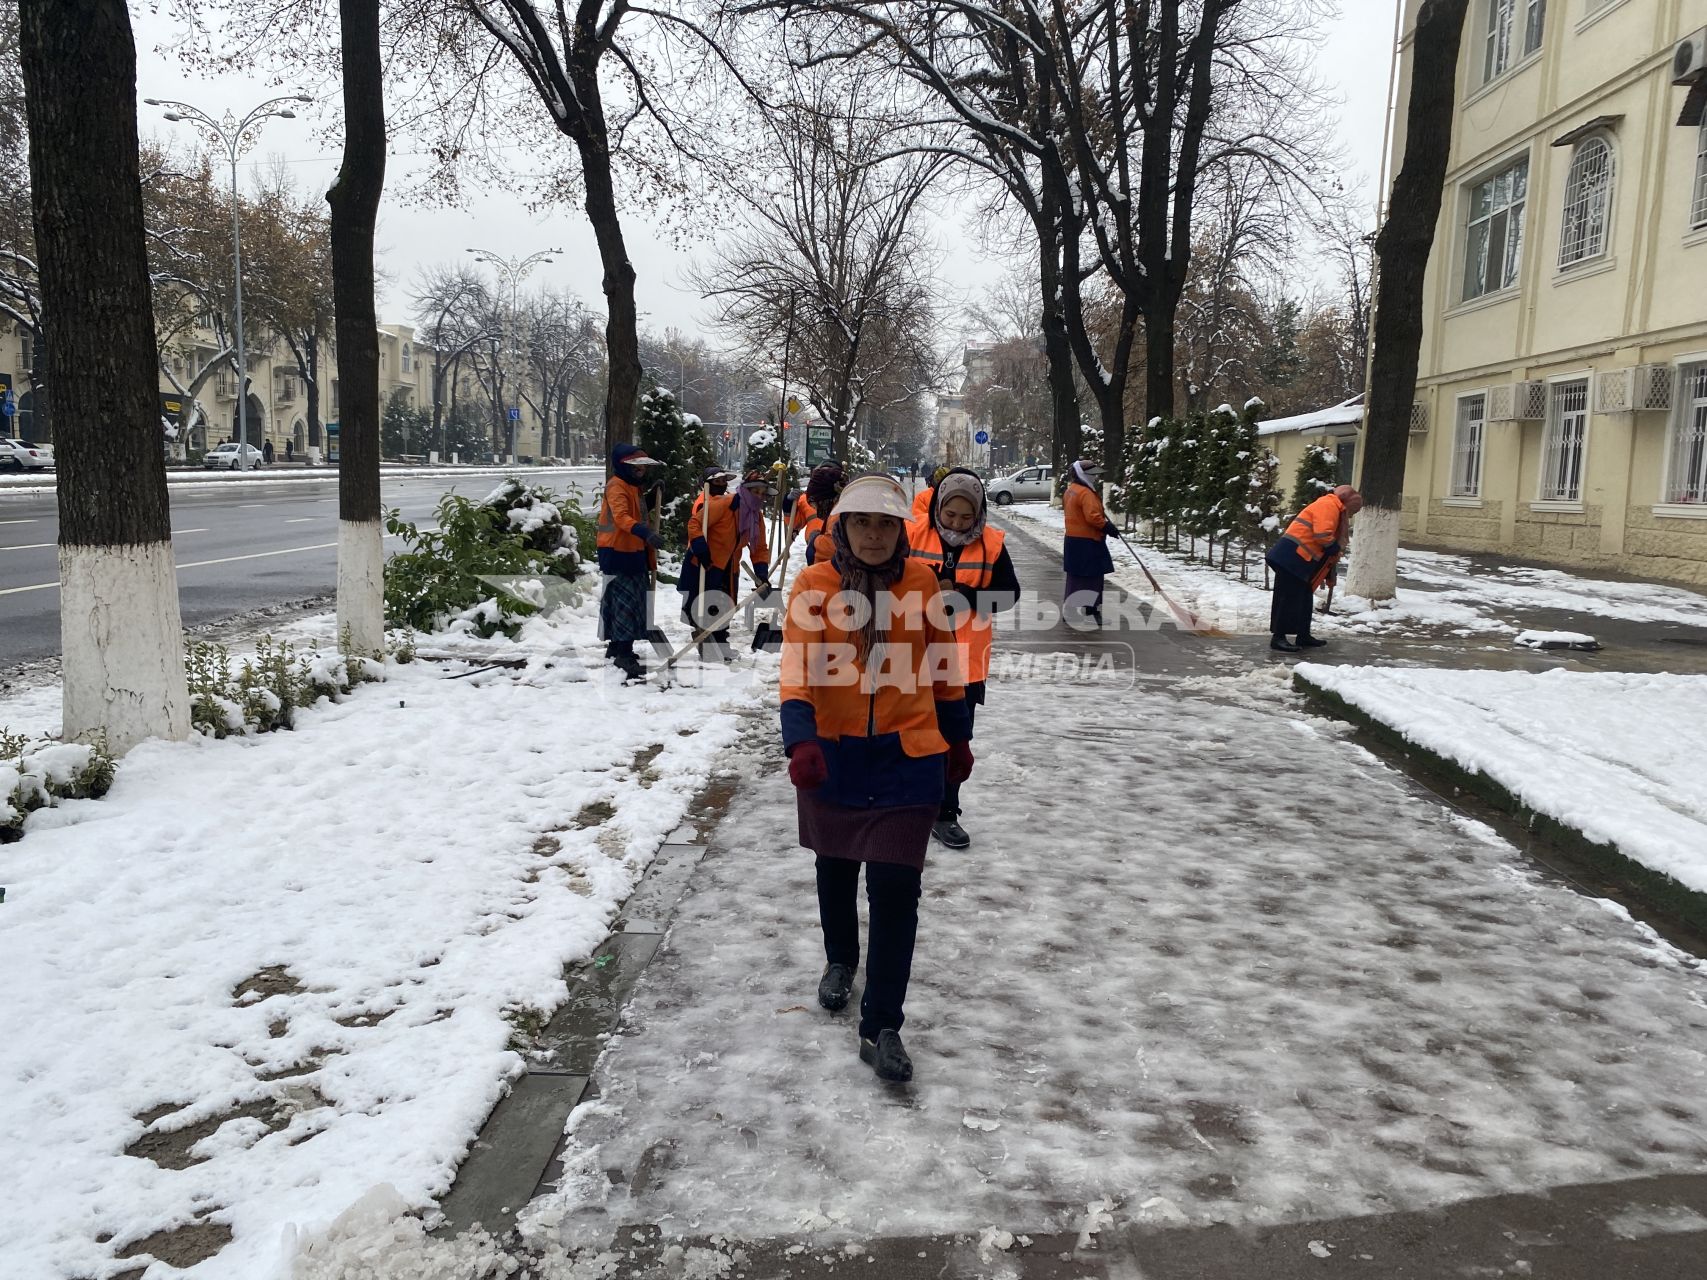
{"x": 1283, "y": 645}
{"x": 887, "y": 1056}
{"x": 835, "y": 987}
{"x": 1310, "y": 642}
{"x": 949, "y": 832}
{"x": 631, "y": 664}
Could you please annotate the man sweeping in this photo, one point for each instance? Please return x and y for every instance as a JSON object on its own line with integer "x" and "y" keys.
{"x": 1302, "y": 559}
{"x": 628, "y": 553}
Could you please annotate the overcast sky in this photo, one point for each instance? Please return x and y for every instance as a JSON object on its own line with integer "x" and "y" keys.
{"x": 1354, "y": 61}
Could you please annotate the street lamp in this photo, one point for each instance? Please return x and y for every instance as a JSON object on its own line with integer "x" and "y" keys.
{"x": 236, "y": 136}
{"x": 513, "y": 271}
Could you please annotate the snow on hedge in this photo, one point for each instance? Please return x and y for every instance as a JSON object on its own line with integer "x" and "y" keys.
{"x": 1616, "y": 756}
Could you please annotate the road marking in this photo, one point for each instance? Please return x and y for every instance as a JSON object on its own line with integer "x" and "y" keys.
{"x": 178, "y": 533}
{"x": 17, "y": 521}
{"x": 258, "y": 555}
{"x": 42, "y": 586}
{"x": 301, "y": 520}
{"x": 254, "y": 504}
{"x": 33, "y": 546}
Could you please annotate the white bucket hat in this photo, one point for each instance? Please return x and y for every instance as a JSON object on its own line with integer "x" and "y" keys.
{"x": 874, "y": 495}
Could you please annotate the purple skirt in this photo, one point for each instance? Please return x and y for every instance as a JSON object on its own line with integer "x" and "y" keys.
{"x": 896, "y": 833}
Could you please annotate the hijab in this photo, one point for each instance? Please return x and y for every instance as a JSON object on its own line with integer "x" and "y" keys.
{"x": 960, "y": 484}
{"x": 867, "y": 580}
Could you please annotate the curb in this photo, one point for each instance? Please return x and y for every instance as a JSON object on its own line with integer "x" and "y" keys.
{"x": 1654, "y": 888}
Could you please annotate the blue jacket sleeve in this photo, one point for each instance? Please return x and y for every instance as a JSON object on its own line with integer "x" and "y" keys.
{"x": 954, "y": 720}
{"x": 799, "y": 723}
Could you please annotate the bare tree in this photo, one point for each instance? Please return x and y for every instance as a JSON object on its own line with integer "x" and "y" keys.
{"x": 454, "y": 315}
{"x": 122, "y": 635}
{"x": 1402, "y": 251}
{"x": 562, "y": 356}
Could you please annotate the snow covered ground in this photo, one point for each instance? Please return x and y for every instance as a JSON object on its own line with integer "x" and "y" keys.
{"x": 1451, "y": 595}
{"x": 264, "y": 975}
{"x": 1617, "y": 757}
{"x": 1206, "y": 961}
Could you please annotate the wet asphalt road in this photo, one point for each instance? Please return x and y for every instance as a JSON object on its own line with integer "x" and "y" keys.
{"x": 241, "y": 544}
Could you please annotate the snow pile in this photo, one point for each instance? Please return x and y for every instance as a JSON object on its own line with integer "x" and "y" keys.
{"x": 1615, "y": 756}
{"x": 1515, "y": 587}
{"x": 264, "y": 975}
{"x": 1555, "y": 640}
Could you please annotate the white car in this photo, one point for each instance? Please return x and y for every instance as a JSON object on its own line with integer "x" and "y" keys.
{"x": 1029, "y": 484}
{"x": 24, "y": 455}
{"x": 225, "y": 458}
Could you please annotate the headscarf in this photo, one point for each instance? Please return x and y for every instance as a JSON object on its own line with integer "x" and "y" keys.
{"x": 960, "y": 484}
{"x": 622, "y": 459}
{"x": 750, "y": 510}
{"x": 867, "y": 580}
{"x": 822, "y": 486}
{"x": 1083, "y": 470}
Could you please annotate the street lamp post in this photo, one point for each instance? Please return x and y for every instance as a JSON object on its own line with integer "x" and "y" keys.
{"x": 512, "y": 271}
{"x": 236, "y": 136}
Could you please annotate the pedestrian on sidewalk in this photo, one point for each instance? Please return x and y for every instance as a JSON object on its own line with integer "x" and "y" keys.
{"x": 721, "y": 525}
{"x": 874, "y": 720}
{"x": 1303, "y": 558}
{"x": 267, "y": 452}
{"x": 823, "y": 487}
{"x": 628, "y": 553}
{"x": 978, "y": 580}
{"x": 290, "y": 451}
{"x": 1085, "y": 560}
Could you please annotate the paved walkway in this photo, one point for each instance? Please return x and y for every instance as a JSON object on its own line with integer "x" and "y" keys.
{"x": 1214, "y": 994}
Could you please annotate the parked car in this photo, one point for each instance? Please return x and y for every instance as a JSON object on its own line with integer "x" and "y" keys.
{"x": 224, "y": 458}
{"x": 25, "y": 455}
{"x": 1029, "y": 484}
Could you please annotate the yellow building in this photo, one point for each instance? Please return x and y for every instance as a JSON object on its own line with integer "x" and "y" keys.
{"x": 1562, "y": 394}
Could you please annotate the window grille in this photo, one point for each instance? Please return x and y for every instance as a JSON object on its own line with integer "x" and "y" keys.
{"x": 1687, "y": 477}
{"x": 1654, "y": 386}
{"x": 1698, "y": 211}
{"x": 1562, "y": 447}
{"x": 1612, "y": 391}
{"x": 1494, "y": 234}
{"x": 1588, "y": 201}
{"x": 1467, "y": 439}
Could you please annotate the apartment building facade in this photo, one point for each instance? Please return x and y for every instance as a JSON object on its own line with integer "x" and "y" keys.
{"x": 1562, "y": 397}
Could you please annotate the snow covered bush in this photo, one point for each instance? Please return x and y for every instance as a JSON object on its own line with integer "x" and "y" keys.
{"x": 39, "y": 775}
{"x": 1318, "y": 473}
{"x": 680, "y": 442}
{"x": 765, "y": 448}
{"x": 515, "y": 532}
{"x": 265, "y": 692}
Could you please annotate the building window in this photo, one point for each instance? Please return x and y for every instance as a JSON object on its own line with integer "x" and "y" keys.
{"x": 1592, "y": 7}
{"x": 1562, "y": 445}
{"x": 1588, "y": 202}
{"x": 1494, "y": 236}
{"x": 1514, "y": 32}
{"x": 1687, "y": 478}
{"x": 408, "y": 365}
{"x": 1467, "y": 447}
{"x": 1698, "y": 211}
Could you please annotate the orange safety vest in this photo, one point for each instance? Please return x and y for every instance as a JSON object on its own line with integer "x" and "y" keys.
{"x": 725, "y": 536}
{"x": 1314, "y": 530}
{"x": 975, "y": 570}
{"x": 819, "y": 545}
{"x": 620, "y": 511}
{"x": 849, "y": 706}
{"x": 803, "y": 511}
{"x": 1083, "y": 509}
{"x": 922, "y": 502}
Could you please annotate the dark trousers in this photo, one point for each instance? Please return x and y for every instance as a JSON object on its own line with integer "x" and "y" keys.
{"x": 951, "y": 789}
{"x": 892, "y": 892}
{"x": 1290, "y": 606}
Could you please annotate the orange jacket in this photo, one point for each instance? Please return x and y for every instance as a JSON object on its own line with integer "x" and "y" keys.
{"x": 819, "y": 545}
{"x": 724, "y": 538}
{"x": 619, "y": 512}
{"x": 1314, "y": 536}
{"x": 1083, "y": 509}
{"x": 920, "y": 666}
{"x": 802, "y": 513}
{"x": 922, "y": 502}
{"x": 975, "y": 570}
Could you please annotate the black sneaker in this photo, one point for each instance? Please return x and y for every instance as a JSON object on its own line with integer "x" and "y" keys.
{"x": 949, "y": 832}
{"x": 1282, "y": 644}
{"x": 632, "y": 666}
{"x": 835, "y": 986}
{"x": 887, "y": 1057}
{"x": 1310, "y": 642}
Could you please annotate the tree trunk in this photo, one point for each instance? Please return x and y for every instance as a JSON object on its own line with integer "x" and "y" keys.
{"x": 1064, "y": 435}
{"x": 354, "y": 199}
{"x": 1159, "y": 336}
{"x": 1402, "y": 250}
{"x": 622, "y": 327}
{"x": 119, "y": 620}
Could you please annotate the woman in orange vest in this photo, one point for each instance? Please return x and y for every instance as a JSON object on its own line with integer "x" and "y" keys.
{"x": 1302, "y": 559}
{"x": 922, "y": 499}
{"x": 720, "y": 526}
{"x": 628, "y": 552}
{"x": 874, "y": 719}
{"x": 971, "y": 562}
{"x": 823, "y": 487}
{"x": 1084, "y": 551}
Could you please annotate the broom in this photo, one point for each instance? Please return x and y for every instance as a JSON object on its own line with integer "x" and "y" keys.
{"x": 655, "y": 634}
{"x": 767, "y": 635}
{"x": 1185, "y": 617}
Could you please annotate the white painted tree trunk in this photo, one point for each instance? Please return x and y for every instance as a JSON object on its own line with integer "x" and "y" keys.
{"x": 1374, "y": 569}
{"x": 361, "y": 587}
{"x": 123, "y": 642}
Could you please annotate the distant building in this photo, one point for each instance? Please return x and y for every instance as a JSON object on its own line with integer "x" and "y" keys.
{"x": 956, "y": 431}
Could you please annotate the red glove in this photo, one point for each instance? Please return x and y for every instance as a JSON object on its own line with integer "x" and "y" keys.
{"x": 959, "y": 761}
{"x": 806, "y": 767}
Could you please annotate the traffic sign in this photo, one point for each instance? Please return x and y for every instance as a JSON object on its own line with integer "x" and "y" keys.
{"x": 7, "y": 405}
{"x": 515, "y": 414}
{"x": 793, "y": 405}
{"x": 983, "y": 437}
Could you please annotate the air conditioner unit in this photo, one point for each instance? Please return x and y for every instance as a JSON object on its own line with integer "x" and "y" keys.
{"x": 1419, "y": 418}
{"x": 1502, "y": 402}
{"x": 1689, "y": 59}
{"x": 1654, "y": 385}
{"x": 1612, "y": 391}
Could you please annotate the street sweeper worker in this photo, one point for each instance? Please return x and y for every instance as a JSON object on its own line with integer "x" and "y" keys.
{"x": 874, "y": 721}
{"x": 823, "y": 487}
{"x": 1303, "y": 558}
{"x": 721, "y": 525}
{"x": 1085, "y": 560}
{"x": 978, "y": 580}
{"x": 922, "y": 499}
{"x": 628, "y": 553}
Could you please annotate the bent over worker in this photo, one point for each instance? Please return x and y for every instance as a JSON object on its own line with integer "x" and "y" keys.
{"x": 628, "y": 552}
{"x": 874, "y": 721}
{"x": 972, "y": 564}
{"x": 1303, "y": 558}
{"x": 1085, "y": 560}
